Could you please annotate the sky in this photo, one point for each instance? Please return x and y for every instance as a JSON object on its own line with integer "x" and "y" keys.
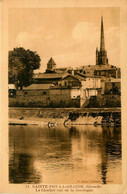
{"x": 68, "y": 35}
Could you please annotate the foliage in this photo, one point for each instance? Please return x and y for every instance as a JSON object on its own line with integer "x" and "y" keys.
{"x": 22, "y": 63}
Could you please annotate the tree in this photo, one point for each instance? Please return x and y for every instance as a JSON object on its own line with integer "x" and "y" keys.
{"x": 22, "y": 63}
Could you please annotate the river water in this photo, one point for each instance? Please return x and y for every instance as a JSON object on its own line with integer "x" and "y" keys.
{"x": 65, "y": 155}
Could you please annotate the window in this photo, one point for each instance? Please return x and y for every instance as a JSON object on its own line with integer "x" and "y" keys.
{"x": 44, "y": 93}
{"x": 25, "y": 92}
{"x": 12, "y": 93}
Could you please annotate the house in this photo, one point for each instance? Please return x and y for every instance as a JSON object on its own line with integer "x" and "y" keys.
{"x": 67, "y": 92}
{"x": 110, "y": 71}
{"x": 111, "y": 86}
{"x": 75, "y": 87}
{"x": 91, "y": 85}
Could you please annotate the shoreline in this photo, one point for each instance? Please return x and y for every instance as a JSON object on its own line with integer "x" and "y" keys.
{"x": 60, "y": 116}
{"x": 68, "y": 109}
{"x": 53, "y": 117}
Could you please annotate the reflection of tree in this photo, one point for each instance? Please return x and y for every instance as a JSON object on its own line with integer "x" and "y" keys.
{"x": 46, "y": 145}
{"x": 21, "y": 162}
{"x": 21, "y": 169}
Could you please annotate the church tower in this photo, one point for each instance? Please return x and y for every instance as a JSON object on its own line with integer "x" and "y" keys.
{"x": 101, "y": 56}
{"x": 51, "y": 65}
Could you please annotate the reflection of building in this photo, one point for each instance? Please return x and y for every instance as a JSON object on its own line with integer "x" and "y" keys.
{"x": 100, "y": 148}
{"x": 110, "y": 150}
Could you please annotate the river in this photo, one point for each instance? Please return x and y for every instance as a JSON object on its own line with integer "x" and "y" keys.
{"x": 65, "y": 155}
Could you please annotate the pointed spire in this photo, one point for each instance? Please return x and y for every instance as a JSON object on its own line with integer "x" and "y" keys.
{"x": 102, "y": 43}
{"x": 51, "y": 61}
{"x": 51, "y": 65}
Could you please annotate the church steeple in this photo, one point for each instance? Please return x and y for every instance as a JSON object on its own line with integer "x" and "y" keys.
{"x": 101, "y": 56}
{"x": 102, "y": 42}
{"x": 51, "y": 65}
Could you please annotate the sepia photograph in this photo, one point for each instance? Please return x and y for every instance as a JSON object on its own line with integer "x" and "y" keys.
{"x": 64, "y": 96}
{"x": 64, "y": 99}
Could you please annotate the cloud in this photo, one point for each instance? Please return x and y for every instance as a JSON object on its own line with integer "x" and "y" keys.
{"x": 24, "y": 38}
{"x": 77, "y": 49}
{"x": 112, "y": 38}
{"x": 85, "y": 31}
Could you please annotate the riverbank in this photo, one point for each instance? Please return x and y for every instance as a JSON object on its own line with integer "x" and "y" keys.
{"x": 50, "y": 116}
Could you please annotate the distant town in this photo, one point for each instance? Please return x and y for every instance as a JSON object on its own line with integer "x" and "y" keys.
{"x": 88, "y": 86}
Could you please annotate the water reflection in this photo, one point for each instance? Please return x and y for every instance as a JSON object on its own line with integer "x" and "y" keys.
{"x": 110, "y": 149}
{"x": 75, "y": 154}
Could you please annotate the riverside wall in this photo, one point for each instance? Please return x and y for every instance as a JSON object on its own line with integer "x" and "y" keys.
{"x": 44, "y": 98}
{"x": 61, "y": 113}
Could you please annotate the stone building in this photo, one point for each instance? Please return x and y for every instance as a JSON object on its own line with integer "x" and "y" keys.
{"x": 51, "y": 65}
{"x": 75, "y": 89}
{"x": 111, "y": 86}
{"x": 35, "y": 95}
{"x": 109, "y": 71}
{"x": 52, "y": 73}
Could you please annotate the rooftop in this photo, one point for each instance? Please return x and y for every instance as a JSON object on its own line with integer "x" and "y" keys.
{"x": 47, "y": 75}
{"x": 38, "y": 87}
{"x": 97, "y": 67}
{"x": 51, "y": 61}
{"x": 78, "y": 77}
{"x": 88, "y": 75}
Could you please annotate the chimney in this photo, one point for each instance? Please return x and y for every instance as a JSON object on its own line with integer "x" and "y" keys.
{"x": 73, "y": 72}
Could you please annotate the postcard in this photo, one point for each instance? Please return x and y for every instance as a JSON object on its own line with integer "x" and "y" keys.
{"x": 63, "y": 96}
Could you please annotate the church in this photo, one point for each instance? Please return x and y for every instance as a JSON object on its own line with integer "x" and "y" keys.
{"x": 102, "y": 67}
